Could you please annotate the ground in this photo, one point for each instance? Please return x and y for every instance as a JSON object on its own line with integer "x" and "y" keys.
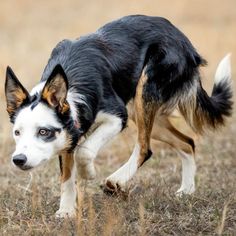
{"x": 28, "y": 32}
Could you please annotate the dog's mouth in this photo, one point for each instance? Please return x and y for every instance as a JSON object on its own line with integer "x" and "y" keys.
{"x": 26, "y": 167}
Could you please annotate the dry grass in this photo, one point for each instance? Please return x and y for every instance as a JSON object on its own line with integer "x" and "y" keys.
{"x": 28, "y": 32}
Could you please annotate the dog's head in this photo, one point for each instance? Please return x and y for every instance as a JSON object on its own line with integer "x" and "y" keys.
{"x": 43, "y": 126}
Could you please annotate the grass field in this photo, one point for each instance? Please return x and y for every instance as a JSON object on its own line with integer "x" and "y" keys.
{"x": 28, "y": 32}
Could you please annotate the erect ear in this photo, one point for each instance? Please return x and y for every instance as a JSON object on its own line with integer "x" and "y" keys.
{"x": 55, "y": 90}
{"x": 15, "y": 93}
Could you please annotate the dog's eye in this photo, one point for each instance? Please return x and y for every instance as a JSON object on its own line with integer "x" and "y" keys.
{"x": 17, "y": 133}
{"x": 44, "y": 132}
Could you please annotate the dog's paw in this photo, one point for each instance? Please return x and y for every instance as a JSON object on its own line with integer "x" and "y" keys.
{"x": 110, "y": 188}
{"x": 65, "y": 213}
{"x": 114, "y": 189}
{"x": 185, "y": 190}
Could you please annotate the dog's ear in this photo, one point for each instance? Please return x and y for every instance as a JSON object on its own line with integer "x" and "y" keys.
{"x": 55, "y": 90}
{"x": 16, "y": 94}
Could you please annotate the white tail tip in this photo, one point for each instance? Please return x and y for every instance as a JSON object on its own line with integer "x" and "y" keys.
{"x": 223, "y": 71}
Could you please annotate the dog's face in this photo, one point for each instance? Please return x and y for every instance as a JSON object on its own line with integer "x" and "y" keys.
{"x": 38, "y": 119}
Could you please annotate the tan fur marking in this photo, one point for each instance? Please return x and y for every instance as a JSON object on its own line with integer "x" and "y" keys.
{"x": 144, "y": 115}
{"x": 65, "y": 107}
{"x": 68, "y": 143}
{"x": 47, "y": 96}
{"x": 10, "y": 109}
{"x": 67, "y": 165}
{"x": 188, "y": 109}
{"x": 55, "y": 94}
{"x": 144, "y": 119}
{"x": 131, "y": 110}
{"x": 167, "y": 133}
{"x": 18, "y": 97}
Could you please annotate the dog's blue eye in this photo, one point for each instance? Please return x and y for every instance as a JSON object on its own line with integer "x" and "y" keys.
{"x": 44, "y": 132}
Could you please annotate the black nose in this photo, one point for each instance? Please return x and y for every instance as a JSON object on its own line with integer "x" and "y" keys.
{"x": 19, "y": 160}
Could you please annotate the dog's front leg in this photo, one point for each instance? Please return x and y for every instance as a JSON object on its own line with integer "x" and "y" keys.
{"x": 145, "y": 110}
{"x": 68, "y": 186}
{"x": 108, "y": 126}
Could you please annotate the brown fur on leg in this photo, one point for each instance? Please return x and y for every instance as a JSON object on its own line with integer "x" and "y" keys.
{"x": 145, "y": 110}
{"x": 167, "y": 133}
{"x": 66, "y": 162}
{"x": 144, "y": 117}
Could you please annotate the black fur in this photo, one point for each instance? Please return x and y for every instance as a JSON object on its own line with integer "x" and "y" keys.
{"x": 60, "y": 164}
{"x": 105, "y": 66}
{"x": 192, "y": 144}
{"x": 148, "y": 155}
{"x": 216, "y": 107}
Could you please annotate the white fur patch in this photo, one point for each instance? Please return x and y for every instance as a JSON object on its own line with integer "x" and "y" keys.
{"x": 72, "y": 98}
{"x": 68, "y": 197}
{"x": 127, "y": 171}
{"x": 223, "y": 71}
{"x": 188, "y": 174}
{"x": 27, "y": 123}
{"x": 38, "y": 88}
{"x": 107, "y": 126}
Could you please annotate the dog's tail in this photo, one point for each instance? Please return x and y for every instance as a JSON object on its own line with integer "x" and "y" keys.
{"x": 202, "y": 111}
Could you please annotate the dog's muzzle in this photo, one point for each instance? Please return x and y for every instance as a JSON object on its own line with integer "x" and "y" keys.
{"x": 20, "y": 160}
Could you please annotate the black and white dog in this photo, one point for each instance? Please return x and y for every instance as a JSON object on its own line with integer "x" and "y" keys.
{"x": 84, "y": 91}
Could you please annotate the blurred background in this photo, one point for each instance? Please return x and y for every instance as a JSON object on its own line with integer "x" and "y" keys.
{"x": 29, "y": 30}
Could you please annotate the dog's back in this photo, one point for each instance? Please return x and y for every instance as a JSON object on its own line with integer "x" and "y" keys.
{"x": 114, "y": 57}
{"x": 120, "y": 50}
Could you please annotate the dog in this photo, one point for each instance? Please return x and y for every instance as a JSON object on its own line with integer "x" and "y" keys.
{"x": 86, "y": 86}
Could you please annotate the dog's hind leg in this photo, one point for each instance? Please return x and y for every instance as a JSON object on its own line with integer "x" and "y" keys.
{"x": 184, "y": 146}
{"x": 68, "y": 186}
{"x": 145, "y": 109}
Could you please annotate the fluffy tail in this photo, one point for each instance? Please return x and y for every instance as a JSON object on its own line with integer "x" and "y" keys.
{"x": 209, "y": 112}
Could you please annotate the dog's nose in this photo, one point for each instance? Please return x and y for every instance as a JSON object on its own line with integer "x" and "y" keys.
{"x": 19, "y": 160}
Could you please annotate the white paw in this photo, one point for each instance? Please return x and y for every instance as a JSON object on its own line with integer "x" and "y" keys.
{"x": 65, "y": 213}
{"x": 185, "y": 190}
